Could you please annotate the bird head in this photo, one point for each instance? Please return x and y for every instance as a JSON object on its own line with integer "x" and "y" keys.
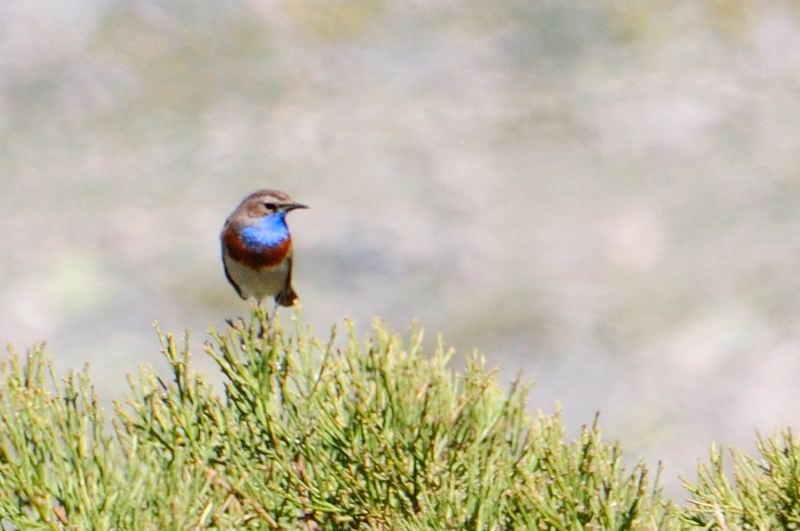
{"x": 267, "y": 203}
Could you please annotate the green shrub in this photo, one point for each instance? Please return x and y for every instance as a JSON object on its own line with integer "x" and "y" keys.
{"x": 765, "y": 494}
{"x": 373, "y": 435}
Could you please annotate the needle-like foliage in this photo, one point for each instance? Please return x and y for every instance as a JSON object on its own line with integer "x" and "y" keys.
{"x": 305, "y": 435}
{"x": 764, "y": 494}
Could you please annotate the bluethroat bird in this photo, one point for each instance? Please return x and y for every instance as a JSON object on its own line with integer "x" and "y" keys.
{"x": 257, "y": 247}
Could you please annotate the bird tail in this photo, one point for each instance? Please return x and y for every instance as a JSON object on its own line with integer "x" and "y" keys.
{"x": 286, "y": 297}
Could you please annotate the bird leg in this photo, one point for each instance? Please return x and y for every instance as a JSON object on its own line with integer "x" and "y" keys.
{"x": 271, "y": 321}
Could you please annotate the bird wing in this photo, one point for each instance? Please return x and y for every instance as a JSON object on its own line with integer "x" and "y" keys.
{"x": 233, "y": 283}
{"x": 287, "y": 295}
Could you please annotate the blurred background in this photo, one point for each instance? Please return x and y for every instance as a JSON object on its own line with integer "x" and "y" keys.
{"x": 602, "y": 194}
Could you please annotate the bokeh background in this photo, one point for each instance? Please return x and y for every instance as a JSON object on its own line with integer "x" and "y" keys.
{"x": 603, "y": 194}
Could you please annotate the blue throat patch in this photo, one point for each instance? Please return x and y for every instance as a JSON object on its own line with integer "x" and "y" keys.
{"x": 270, "y": 230}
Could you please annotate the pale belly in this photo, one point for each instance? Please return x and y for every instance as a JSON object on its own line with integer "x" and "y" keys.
{"x": 258, "y": 284}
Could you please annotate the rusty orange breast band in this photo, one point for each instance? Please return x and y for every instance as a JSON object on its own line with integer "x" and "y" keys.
{"x": 255, "y": 257}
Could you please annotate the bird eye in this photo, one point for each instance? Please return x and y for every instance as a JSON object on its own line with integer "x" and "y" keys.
{"x": 271, "y": 206}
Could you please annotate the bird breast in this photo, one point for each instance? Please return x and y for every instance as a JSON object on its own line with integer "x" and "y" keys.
{"x": 260, "y": 256}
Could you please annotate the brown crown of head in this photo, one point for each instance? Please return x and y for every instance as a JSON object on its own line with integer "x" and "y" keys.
{"x": 264, "y": 203}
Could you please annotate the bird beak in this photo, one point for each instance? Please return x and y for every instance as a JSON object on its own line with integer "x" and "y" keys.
{"x": 293, "y": 206}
